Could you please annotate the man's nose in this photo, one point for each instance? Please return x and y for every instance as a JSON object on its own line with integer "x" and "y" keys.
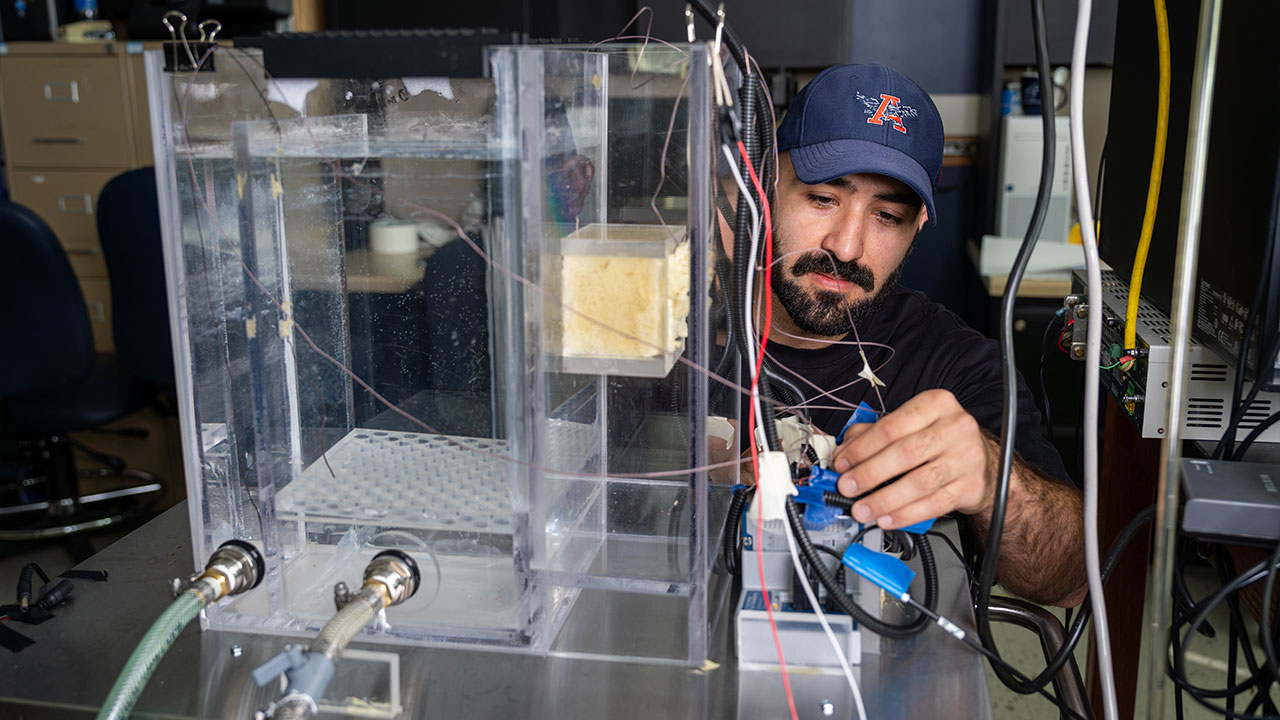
{"x": 845, "y": 240}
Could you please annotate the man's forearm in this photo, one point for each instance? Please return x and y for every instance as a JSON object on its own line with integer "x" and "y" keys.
{"x": 1042, "y": 548}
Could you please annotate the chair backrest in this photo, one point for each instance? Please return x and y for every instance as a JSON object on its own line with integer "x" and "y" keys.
{"x": 129, "y": 231}
{"x": 46, "y": 341}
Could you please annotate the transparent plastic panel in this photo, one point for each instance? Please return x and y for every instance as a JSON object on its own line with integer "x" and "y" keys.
{"x": 472, "y": 319}
{"x": 191, "y": 121}
{"x": 615, "y": 227}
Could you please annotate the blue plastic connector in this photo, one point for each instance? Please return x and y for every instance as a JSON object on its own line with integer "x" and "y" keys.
{"x": 809, "y": 495}
{"x": 816, "y": 514}
{"x": 864, "y": 414}
{"x": 823, "y": 478}
{"x": 919, "y": 528}
{"x": 884, "y": 570}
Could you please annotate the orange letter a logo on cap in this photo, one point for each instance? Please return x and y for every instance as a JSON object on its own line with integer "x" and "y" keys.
{"x": 887, "y": 103}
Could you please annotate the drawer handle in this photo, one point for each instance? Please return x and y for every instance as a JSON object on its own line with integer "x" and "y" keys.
{"x": 83, "y": 251}
{"x": 58, "y": 140}
{"x": 75, "y": 204}
{"x": 62, "y": 91}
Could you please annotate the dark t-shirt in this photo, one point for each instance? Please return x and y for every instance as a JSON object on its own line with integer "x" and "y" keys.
{"x": 932, "y": 348}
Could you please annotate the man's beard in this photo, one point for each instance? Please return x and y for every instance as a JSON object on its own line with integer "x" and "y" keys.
{"x": 826, "y": 313}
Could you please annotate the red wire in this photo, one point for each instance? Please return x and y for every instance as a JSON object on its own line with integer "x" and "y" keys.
{"x": 751, "y": 416}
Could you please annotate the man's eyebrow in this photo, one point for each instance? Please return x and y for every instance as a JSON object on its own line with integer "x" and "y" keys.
{"x": 843, "y": 183}
{"x": 903, "y": 198}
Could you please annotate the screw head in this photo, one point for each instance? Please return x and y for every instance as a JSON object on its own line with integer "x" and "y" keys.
{"x": 1077, "y": 351}
{"x": 1082, "y": 311}
{"x": 1159, "y": 431}
{"x": 1164, "y": 384}
{"x": 828, "y": 708}
{"x": 236, "y": 651}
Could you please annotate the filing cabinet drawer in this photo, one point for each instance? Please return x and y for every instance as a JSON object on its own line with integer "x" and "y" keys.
{"x": 61, "y": 112}
{"x": 67, "y": 200}
{"x": 97, "y": 296}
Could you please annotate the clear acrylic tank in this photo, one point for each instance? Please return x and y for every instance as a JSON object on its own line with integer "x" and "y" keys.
{"x": 469, "y": 318}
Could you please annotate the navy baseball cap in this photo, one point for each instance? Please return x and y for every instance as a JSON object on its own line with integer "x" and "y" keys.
{"x": 865, "y": 119}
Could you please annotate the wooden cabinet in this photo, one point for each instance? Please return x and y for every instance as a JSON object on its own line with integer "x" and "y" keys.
{"x": 72, "y": 118}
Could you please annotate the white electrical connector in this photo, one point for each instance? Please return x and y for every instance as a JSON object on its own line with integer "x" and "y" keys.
{"x": 774, "y": 486}
{"x": 794, "y": 434}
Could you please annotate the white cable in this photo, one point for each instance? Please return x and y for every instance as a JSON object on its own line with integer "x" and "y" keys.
{"x": 1093, "y": 350}
{"x": 822, "y": 618}
{"x": 744, "y": 193}
{"x": 755, "y": 398}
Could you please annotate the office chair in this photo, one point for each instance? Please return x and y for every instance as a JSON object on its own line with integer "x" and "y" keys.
{"x": 129, "y": 231}
{"x": 52, "y": 384}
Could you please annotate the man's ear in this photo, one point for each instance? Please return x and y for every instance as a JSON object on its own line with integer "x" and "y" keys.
{"x": 924, "y": 218}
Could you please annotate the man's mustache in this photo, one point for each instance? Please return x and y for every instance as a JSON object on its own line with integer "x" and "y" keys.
{"x": 849, "y": 270}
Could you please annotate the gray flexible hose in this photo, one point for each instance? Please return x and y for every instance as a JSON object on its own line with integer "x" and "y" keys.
{"x": 348, "y": 622}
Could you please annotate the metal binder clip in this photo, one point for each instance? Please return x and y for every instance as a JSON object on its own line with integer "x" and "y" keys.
{"x": 180, "y": 35}
{"x": 173, "y": 34}
{"x": 719, "y": 28}
{"x": 217, "y": 27}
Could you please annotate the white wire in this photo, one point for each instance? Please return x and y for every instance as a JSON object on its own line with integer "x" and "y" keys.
{"x": 744, "y": 193}
{"x": 822, "y": 618}
{"x": 1093, "y": 349}
{"x": 755, "y": 398}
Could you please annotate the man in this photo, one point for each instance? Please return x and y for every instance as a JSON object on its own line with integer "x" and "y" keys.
{"x": 860, "y": 152}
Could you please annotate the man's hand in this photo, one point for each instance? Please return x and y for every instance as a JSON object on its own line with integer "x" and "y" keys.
{"x": 945, "y": 460}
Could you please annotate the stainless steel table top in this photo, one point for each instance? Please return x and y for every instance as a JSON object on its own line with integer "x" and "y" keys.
{"x": 206, "y": 674}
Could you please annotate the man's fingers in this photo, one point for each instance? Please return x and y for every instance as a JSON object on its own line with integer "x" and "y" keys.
{"x": 919, "y": 511}
{"x": 898, "y": 457}
{"x": 931, "y": 481}
{"x": 863, "y": 441}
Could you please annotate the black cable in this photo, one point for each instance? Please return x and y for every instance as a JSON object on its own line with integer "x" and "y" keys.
{"x": 1238, "y": 411}
{"x": 1102, "y": 174}
{"x": 996, "y": 661}
{"x": 846, "y": 603}
{"x": 1056, "y": 320}
{"x": 1255, "y": 433}
{"x": 732, "y": 528}
{"x": 1009, "y": 374}
{"x": 840, "y": 570}
{"x": 1265, "y": 637}
{"x": 1182, "y": 596}
{"x": 968, "y": 571}
{"x": 1259, "y": 294}
{"x": 1237, "y": 630}
{"x": 1178, "y": 671}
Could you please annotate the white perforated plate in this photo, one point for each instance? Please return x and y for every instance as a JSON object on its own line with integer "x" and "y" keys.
{"x": 417, "y": 480}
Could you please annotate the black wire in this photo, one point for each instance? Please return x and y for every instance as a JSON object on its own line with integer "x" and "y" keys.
{"x": 968, "y": 571}
{"x": 1237, "y": 411}
{"x": 1178, "y": 669}
{"x": 1102, "y": 174}
{"x": 1265, "y": 637}
{"x": 1259, "y": 294}
{"x": 996, "y": 660}
{"x": 1241, "y": 637}
{"x": 1056, "y": 320}
{"x": 837, "y": 593}
{"x": 730, "y": 550}
{"x": 1255, "y": 433}
{"x": 1009, "y": 420}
